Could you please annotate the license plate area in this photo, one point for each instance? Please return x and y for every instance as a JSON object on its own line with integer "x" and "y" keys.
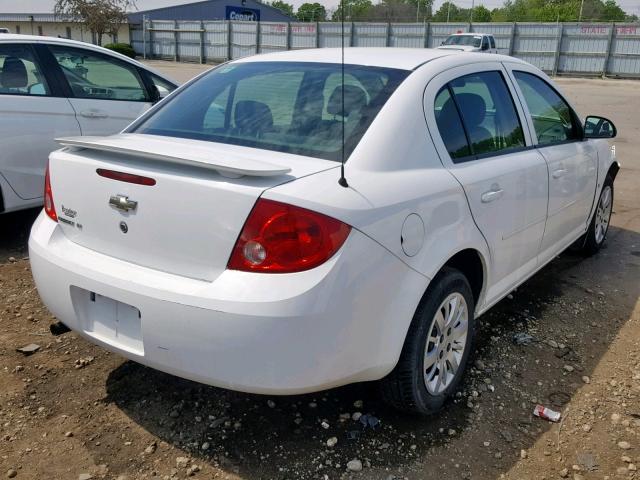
{"x": 108, "y": 320}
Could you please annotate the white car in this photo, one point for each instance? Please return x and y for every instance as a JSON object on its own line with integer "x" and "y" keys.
{"x": 52, "y": 87}
{"x": 470, "y": 42}
{"x": 216, "y": 239}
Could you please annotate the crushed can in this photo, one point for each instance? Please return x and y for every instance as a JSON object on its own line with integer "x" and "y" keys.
{"x": 546, "y": 413}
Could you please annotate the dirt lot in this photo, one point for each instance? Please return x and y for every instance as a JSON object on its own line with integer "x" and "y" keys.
{"x": 72, "y": 411}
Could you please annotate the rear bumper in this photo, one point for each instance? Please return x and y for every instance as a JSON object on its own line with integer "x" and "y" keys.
{"x": 342, "y": 322}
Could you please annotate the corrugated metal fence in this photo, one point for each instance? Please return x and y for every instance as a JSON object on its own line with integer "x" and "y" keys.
{"x": 606, "y": 49}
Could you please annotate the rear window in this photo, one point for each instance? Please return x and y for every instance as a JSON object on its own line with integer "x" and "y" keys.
{"x": 467, "y": 40}
{"x": 282, "y": 106}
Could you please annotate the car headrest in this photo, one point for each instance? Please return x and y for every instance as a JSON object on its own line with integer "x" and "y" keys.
{"x": 252, "y": 116}
{"x": 354, "y": 99}
{"x": 472, "y": 107}
{"x": 14, "y": 73}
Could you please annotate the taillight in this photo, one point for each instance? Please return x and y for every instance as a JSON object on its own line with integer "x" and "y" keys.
{"x": 49, "y": 207}
{"x": 281, "y": 238}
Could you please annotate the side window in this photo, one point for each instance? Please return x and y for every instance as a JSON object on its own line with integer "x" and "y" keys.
{"x": 493, "y": 42}
{"x": 450, "y": 125}
{"x": 552, "y": 117}
{"x": 20, "y": 73}
{"x": 96, "y": 76}
{"x": 489, "y": 117}
{"x": 485, "y": 43}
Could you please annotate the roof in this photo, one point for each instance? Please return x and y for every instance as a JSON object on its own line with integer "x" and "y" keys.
{"x": 401, "y": 58}
{"x": 387, "y": 57}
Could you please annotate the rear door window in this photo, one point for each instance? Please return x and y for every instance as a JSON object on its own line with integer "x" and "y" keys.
{"x": 100, "y": 77}
{"x": 20, "y": 71}
{"x": 493, "y": 42}
{"x": 486, "y": 112}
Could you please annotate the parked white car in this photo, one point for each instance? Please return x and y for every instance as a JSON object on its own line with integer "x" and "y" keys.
{"x": 470, "y": 42}
{"x": 52, "y": 87}
{"x": 214, "y": 239}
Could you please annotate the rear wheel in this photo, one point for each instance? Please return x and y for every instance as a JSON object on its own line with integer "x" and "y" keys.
{"x": 437, "y": 347}
{"x": 599, "y": 226}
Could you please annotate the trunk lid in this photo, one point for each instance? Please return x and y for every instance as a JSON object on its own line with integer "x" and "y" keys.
{"x": 188, "y": 222}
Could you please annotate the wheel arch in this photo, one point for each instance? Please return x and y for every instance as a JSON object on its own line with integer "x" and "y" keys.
{"x": 614, "y": 168}
{"x": 472, "y": 265}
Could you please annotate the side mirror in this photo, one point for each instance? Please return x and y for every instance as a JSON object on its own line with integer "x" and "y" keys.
{"x": 599, "y": 127}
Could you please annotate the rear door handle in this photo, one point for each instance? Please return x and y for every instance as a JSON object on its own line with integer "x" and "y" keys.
{"x": 93, "y": 114}
{"x": 491, "y": 195}
{"x": 561, "y": 172}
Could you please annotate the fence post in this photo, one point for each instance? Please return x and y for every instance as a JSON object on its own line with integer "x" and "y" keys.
{"x": 513, "y": 38}
{"x": 288, "y": 35}
{"x": 150, "y": 46}
{"x": 202, "y": 54}
{"x": 258, "y": 31}
{"x": 605, "y": 66}
{"x": 388, "y": 34}
{"x": 175, "y": 40}
{"x": 317, "y": 34}
{"x": 229, "y": 38}
{"x": 427, "y": 33}
{"x": 556, "y": 59}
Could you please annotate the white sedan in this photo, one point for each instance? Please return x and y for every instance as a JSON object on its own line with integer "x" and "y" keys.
{"x": 216, "y": 238}
{"x": 52, "y": 87}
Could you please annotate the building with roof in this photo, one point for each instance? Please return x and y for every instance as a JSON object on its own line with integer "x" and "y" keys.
{"x": 242, "y": 10}
{"x": 36, "y": 17}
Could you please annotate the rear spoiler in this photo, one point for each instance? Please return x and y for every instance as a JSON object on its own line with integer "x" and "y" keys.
{"x": 169, "y": 150}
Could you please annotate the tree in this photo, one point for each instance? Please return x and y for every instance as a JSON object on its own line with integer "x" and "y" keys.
{"x": 424, "y": 8}
{"x": 613, "y": 12}
{"x": 354, "y": 10}
{"x": 558, "y": 10}
{"x": 481, "y": 14}
{"x": 450, "y": 12}
{"x": 99, "y": 16}
{"x": 312, "y": 12}
{"x": 285, "y": 7}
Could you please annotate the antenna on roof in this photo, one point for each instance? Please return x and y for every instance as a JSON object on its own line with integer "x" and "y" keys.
{"x": 343, "y": 180}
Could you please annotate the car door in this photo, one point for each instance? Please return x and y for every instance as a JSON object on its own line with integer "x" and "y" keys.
{"x": 33, "y": 113}
{"x": 477, "y": 129}
{"x": 485, "y": 48}
{"x": 572, "y": 162}
{"x": 492, "y": 43}
{"x": 106, "y": 92}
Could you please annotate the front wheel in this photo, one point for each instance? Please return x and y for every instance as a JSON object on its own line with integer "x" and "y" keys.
{"x": 599, "y": 226}
{"x": 436, "y": 349}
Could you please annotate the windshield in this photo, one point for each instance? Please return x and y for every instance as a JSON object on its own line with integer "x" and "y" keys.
{"x": 282, "y": 106}
{"x": 468, "y": 40}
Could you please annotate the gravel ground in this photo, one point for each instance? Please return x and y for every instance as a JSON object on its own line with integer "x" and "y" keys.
{"x": 74, "y": 411}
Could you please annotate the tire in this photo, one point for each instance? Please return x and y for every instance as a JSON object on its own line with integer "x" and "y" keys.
{"x": 412, "y": 385}
{"x": 599, "y": 226}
